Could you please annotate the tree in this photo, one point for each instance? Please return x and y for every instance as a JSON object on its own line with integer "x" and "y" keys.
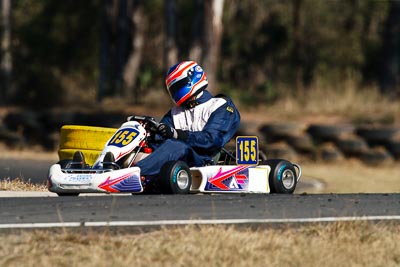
{"x": 297, "y": 43}
{"x": 104, "y": 79}
{"x": 213, "y": 29}
{"x": 170, "y": 48}
{"x": 6, "y": 61}
{"x": 131, "y": 69}
{"x": 196, "y": 50}
{"x": 390, "y": 68}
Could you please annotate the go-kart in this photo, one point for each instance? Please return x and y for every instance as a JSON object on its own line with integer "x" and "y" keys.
{"x": 114, "y": 170}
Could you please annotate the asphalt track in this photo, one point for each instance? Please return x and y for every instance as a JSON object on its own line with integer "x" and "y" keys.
{"x": 147, "y": 210}
{"x": 31, "y": 170}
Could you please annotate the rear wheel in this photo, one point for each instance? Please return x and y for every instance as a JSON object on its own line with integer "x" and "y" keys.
{"x": 283, "y": 177}
{"x": 175, "y": 178}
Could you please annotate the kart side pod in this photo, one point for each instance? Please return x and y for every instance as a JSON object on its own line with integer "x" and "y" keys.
{"x": 272, "y": 176}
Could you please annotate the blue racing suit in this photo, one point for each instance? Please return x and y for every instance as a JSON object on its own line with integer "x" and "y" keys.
{"x": 207, "y": 127}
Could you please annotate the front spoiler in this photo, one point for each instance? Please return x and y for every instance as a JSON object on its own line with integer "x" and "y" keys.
{"x": 94, "y": 181}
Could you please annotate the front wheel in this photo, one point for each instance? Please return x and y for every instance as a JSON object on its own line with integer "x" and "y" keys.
{"x": 68, "y": 194}
{"x": 283, "y": 177}
{"x": 175, "y": 178}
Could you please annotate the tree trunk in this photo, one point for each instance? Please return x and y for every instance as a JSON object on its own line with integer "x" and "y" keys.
{"x": 121, "y": 46}
{"x": 297, "y": 46}
{"x": 390, "y": 68}
{"x": 132, "y": 67}
{"x": 6, "y": 61}
{"x": 170, "y": 49}
{"x": 196, "y": 50}
{"x": 213, "y": 34}
{"x": 106, "y": 79}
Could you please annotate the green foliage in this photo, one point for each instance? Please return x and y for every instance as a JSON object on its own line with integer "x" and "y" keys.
{"x": 262, "y": 48}
{"x": 53, "y": 39}
{"x": 338, "y": 40}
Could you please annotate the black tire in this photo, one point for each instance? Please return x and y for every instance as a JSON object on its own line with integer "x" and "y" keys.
{"x": 283, "y": 176}
{"x": 377, "y": 136}
{"x": 274, "y": 132}
{"x": 325, "y": 133}
{"x": 68, "y": 194}
{"x": 376, "y": 156}
{"x": 394, "y": 148}
{"x": 329, "y": 152}
{"x": 280, "y": 150}
{"x": 302, "y": 143}
{"x": 352, "y": 146}
{"x": 175, "y": 178}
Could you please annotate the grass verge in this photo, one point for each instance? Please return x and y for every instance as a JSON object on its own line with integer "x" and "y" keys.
{"x": 19, "y": 184}
{"x": 322, "y": 104}
{"x": 333, "y": 244}
{"x": 352, "y": 176}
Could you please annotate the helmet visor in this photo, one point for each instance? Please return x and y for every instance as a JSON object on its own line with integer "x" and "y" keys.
{"x": 180, "y": 89}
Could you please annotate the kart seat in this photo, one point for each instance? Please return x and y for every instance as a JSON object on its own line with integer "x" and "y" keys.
{"x": 223, "y": 156}
{"x": 216, "y": 156}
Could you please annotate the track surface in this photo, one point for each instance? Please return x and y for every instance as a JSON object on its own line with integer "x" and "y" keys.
{"x": 152, "y": 208}
{"x": 34, "y": 171}
{"x": 194, "y": 207}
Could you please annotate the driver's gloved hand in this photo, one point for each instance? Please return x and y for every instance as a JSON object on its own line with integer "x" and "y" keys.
{"x": 167, "y": 132}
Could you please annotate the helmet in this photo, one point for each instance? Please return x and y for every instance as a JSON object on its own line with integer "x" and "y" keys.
{"x": 185, "y": 80}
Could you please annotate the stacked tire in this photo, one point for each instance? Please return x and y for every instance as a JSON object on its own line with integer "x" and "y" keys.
{"x": 88, "y": 139}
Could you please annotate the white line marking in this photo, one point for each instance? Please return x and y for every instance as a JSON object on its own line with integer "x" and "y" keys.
{"x": 197, "y": 222}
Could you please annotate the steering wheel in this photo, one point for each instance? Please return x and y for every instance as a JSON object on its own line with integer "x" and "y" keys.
{"x": 148, "y": 122}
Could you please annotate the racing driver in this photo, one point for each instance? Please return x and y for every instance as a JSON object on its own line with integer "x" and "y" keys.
{"x": 197, "y": 127}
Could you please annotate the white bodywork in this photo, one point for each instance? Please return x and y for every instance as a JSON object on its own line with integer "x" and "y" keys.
{"x": 118, "y": 181}
{"x": 209, "y": 179}
{"x": 131, "y": 132}
{"x": 230, "y": 178}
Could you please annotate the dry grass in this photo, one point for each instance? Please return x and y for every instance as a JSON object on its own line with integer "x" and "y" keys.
{"x": 366, "y": 105}
{"x": 319, "y": 104}
{"x": 335, "y": 244}
{"x": 19, "y": 184}
{"x": 352, "y": 176}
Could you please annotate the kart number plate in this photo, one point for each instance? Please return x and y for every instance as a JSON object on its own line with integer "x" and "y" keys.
{"x": 246, "y": 150}
{"x": 123, "y": 137}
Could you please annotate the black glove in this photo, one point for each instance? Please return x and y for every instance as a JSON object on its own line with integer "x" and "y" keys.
{"x": 167, "y": 131}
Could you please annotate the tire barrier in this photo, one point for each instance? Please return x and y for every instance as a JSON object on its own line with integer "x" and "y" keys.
{"x": 22, "y": 128}
{"x": 393, "y": 146}
{"x": 281, "y": 131}
{"x": 84, "y": 137}
{"x": 88, "y": 139}
{"x": 328, "y": 133}
{"x": 372, "y": 145}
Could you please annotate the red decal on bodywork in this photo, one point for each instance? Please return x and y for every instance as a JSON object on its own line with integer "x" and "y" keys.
{"x": 217, "y": 179}
{"x": 240, "y": 178}
{"x": 106, "y": 185}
